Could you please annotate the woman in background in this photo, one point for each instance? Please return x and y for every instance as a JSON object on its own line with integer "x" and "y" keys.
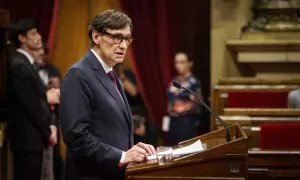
{"x": 183, "y": 112}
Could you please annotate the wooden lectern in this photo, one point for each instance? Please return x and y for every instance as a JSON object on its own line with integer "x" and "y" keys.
{"x": 221, "y": 160}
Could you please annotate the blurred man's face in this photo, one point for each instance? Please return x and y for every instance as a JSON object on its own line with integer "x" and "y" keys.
{"x": 182, "y": 65}
{"x": 32, "y": 40}
{"x": 39, "y": 56}
{"x": 54, "y": 82}
{"x": 112, "y": 45}
{"x": 141, "y": 130}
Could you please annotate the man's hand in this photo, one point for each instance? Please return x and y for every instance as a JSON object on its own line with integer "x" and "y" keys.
{"x": 139, "y": 152}
{"x": 53, "y": 96}
{"x": 53, "y": 136}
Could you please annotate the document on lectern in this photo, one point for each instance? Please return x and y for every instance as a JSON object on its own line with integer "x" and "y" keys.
{"x": 190, "y": 149}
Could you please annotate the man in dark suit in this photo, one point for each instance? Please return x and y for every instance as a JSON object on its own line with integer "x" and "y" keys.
{"x": 94, "y": 113}
{"x": 30, "y": 129}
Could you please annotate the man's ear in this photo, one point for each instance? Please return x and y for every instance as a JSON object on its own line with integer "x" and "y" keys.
{"x": 22, "y": 38}
{"x": 191, "y": 63}
{"x": 96, "y": 37}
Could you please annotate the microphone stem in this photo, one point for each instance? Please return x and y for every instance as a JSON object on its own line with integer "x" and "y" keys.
{"x": 212, "y": 112}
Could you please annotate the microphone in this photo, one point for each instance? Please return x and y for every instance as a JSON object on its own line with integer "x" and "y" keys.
{"x": 179, "y": 86}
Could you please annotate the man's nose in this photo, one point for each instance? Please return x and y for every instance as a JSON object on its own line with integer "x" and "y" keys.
{"x": 39, "y": 37}
{"x": 123, "y": 44}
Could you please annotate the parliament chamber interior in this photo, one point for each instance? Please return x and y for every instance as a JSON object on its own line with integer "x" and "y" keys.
{"x": 245, "y": 54}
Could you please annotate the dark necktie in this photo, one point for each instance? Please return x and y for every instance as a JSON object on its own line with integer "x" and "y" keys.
{"x": 113, "y": 79}
{"x": 36, "y": 67}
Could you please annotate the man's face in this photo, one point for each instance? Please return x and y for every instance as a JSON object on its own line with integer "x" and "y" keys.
{"x": 141, "y": 130}
{"x": 39, "y": 56}
{"x": 111, "y": 51}
{"x": 182, "y": 65}
{"x": 32, "y": 40}
{"x": 54, "y": 82}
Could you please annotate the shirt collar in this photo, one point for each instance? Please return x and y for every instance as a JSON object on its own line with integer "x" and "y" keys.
{"x": 104, "y": 65}
{"x": 29, "y": 57}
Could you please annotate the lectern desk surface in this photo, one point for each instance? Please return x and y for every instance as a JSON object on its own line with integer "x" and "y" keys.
{"x": 221, "y": 160}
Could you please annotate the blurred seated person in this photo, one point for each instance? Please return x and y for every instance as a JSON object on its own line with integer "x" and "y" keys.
{"x": 183, "y": 112}
{"x": 131, "y": 90}
{"x": 139, "y": 128}
{"x": 294, "y": 99}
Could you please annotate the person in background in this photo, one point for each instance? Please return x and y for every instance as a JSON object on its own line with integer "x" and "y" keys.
{"x": 139, "y": 128}
{"x": 131, "y": 91}
{"x": 294, "y": 99}
{"x": 54, "y": 81}
{"x": 30, "y": 130}
{"x": 183, "y": 112}
{"x": 50, "y": 75}
{"x": 137, "y": 106}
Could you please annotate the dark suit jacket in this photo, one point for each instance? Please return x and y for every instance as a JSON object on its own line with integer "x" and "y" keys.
{"x": 29, "y": 129}
{"x": 95, "y": 121}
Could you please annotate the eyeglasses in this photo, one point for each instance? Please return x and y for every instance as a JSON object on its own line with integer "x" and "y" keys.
{"x": 118, "y": 39}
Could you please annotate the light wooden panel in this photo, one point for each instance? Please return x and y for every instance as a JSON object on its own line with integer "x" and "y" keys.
{"x": 227, "y": 19}
{"x": 71, "y": 40}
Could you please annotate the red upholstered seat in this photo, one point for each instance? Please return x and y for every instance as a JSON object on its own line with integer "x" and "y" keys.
{"x": 280, "y": 136}
{"x": 257, "y": 100}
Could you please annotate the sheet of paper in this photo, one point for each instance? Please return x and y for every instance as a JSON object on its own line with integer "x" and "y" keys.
{"x": 193, "y": 148}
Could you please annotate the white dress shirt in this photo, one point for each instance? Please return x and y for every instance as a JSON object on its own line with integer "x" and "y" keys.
{"x": 108, "y": 69}
{"x": 44, "y": 76}
{"x": 104, "y": 65}
{"x": 42, "y": 73}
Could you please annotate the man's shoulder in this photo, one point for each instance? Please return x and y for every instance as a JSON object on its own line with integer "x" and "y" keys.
{"x": 79, "y": 64}
{"x": 79, "y": 68}
{"x": 18, "y": 63}
{"x": 18, "y": 58}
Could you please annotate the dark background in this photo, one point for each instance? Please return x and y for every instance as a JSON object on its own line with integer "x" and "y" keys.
{"x": 167, "y": 27}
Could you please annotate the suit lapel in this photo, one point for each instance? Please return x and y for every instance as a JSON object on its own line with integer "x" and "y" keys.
{"x": 106, "y": 82}
{"x": 41, "y": 84}
{"x": 125, "y": 101}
